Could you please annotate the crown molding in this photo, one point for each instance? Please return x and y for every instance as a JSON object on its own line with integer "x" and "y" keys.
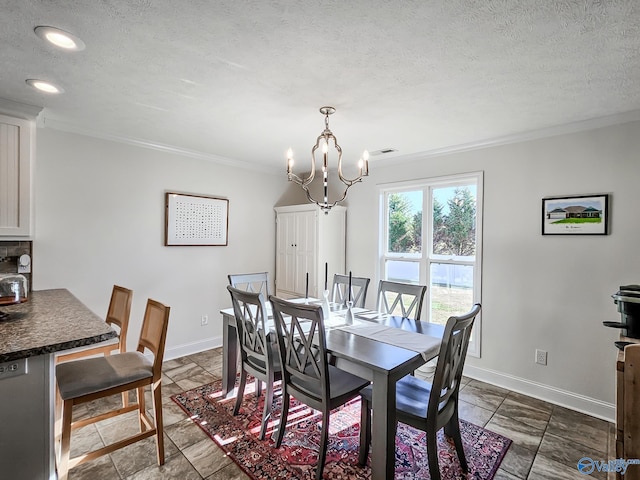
{"x": 19, "y": 110}
{"x": 564, "y": 129}
{"x": 55, "y": 124}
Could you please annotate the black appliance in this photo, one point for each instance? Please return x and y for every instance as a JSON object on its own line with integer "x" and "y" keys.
{"x": 628, "y": 301}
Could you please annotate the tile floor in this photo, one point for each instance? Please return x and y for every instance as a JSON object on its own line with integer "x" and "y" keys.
{"x": 547, "y": 440}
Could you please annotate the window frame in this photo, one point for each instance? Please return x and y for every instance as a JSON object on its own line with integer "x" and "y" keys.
{"x": 426, "y": 258}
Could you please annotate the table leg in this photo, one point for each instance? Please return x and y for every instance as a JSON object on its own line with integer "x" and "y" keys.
{"x": 229, "y": 355}
{"x": 383, "y": 441}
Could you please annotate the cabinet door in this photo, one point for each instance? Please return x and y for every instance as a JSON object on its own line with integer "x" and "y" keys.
{"x": 15, "y": 176}
{"x": 286, "y": 252}
{"x": 306, "y": 252}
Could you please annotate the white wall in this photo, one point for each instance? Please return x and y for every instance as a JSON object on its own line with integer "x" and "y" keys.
{"x": 100, "y": 221}
{"x": 546, "y": 292}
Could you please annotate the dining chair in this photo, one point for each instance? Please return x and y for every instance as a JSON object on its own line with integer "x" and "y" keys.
{"x": 258, "y": 354}
{"x": 405, "y": 299}
{"x": 306, "y": 373}
{"x": 340, "y": 290}
{"x": 89, "y": 379}
{"x": 251, "y": 282}
{"x": 430, "y": 406}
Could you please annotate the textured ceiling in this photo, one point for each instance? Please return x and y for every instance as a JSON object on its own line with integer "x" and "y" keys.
{"x": 243, "y": 79}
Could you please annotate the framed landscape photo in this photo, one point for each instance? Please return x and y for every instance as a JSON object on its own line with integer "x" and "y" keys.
{"x": 575, "y": 215}
{"x": 195, "y": 219}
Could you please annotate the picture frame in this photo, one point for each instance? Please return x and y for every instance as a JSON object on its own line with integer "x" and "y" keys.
{"x": 196, "y": 220}
{"x": 576, "y": 215}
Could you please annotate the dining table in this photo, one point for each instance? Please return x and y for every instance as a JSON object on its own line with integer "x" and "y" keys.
{"x": 378, "y": 347}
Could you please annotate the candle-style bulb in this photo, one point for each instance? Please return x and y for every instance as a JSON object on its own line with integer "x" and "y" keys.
{"x": 365, "y": 157}
{"x": 325, "y": 147}
{"x": 289, "y": 161}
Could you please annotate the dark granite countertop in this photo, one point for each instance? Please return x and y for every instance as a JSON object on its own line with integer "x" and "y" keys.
{"x": 50, "y": 321}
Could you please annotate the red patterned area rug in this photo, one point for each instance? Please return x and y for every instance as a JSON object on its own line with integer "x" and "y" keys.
{"x": 296, "y": 458}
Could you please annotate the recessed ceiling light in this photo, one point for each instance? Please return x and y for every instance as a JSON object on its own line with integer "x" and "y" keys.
{"x": 44, "y": 86}
{"x": 60, "y": 38}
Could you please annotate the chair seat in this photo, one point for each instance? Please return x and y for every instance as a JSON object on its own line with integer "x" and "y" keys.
{"x": 260, "y": 364}
{"x": 412, "y": 396}
{"x": 84, "y": 377}
{"x": 344, "y": 385}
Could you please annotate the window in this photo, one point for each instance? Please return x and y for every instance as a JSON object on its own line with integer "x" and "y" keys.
{"x": 441, "y": 249}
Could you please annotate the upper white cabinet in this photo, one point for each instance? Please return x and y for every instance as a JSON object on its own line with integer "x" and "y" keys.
{"x": 16, "y": 149}
{"x": 306, "y": 239}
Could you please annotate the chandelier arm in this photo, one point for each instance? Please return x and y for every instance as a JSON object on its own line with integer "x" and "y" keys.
{"x": 349, "y": 181}
{"x": 343, "y": 179}
{"x": 312, "y": 174}
{"x": 303, "y": 182}
{"x": 344, "y": 195}
{"x": 309, "y": 197}
{"x": 292, "y": 177}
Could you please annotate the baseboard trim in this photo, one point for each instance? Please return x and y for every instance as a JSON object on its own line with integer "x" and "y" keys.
{"x": 557, "y": 396}
{"x": 191, "y": 348}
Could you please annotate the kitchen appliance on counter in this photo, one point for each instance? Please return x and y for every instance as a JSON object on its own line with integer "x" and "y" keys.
{"x": 13, "y": 290}
{"x": 628, "y": 301}
{"x": 16, "y": 256}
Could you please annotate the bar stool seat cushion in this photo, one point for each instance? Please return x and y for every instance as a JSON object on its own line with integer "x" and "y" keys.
{"x": 91, "y": 375}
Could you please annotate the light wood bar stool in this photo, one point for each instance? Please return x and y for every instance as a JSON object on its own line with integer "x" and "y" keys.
{"x": 118, "y": 315}
{"x": 85, "y": 380}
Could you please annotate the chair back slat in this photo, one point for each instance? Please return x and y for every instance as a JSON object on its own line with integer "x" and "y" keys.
{"x": 451, "y": 358}
{"x": 340, "y": 290}
{"x": 251, "y": 282}
{"x": 250, "y": 313}
{"x": 404, "y": 299}
{"x": 119, "y": 312}
{"x": 153, "y": 334}
{"x": 302, "y": 345}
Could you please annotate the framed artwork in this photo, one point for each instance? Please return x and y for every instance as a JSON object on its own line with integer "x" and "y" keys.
{"x": 575, "y": 215}
{"x": 195, "y": 219}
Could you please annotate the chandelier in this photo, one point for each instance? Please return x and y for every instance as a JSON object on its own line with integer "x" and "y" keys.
{"x": 323, "y": 143}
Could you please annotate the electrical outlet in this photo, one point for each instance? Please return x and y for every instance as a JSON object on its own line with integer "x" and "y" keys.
{"x": 541, "y": 357}
{"x": 12, "y": 369}
{"x": 204, "y": 320}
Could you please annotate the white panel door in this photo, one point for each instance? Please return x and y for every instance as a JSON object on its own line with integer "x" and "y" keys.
{"x": 286, "y": 253}
{"x": 306, "y": 251}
